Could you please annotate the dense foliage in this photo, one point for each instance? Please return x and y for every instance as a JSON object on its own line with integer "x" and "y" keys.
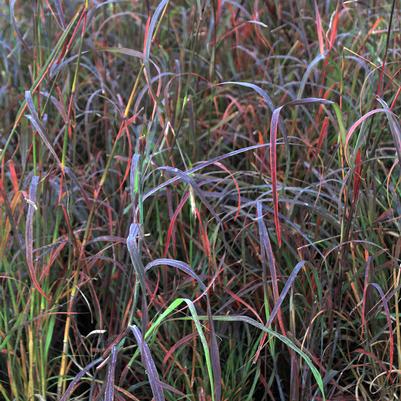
{"x": 200, "y": 200}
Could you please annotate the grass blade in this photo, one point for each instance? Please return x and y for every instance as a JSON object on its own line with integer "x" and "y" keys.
{"x": 178, "y": 265}
{"x": 41, "y": 76}
{"x": 288, "y": 284}
{"x": 133, "y": 241}
{"x": 273, "y": 152}
{"x": 174, "y": 305}
{"x": 15, "y": 26}
{"x": 29, "y": 234}
{"x": 111, "y": 368}
{"x": 151, "y": 371}
{"x": 37, "y": 125}
{"x": 283, "y": 339}
{"x": 78, "y": 377}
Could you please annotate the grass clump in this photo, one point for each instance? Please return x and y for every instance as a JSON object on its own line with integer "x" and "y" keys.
{"x": 200, "y": 200}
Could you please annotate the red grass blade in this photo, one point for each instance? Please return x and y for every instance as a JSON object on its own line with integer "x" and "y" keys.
{"x": 355, "y": 125}
{"x": 334, "y": 28}
{"x": 13, "y": 176}
{"x": 273, "y": 169}
{"x": 224, "y": 168}
{"x": 357, "y": 176}
{"x": 246, "y": 304}
{"x": 182, "y": 341}
{"x": 171, "y": 227}
{"x": 322, "y": 135}
{"x": 203, "y": 234}
{"x": 319, "y": 29}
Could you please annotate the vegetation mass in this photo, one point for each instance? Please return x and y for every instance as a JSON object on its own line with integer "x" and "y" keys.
{"x": 200, "y": 200}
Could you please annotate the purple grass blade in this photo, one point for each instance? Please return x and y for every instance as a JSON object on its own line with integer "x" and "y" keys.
{"x": 266, "y": 250}
{"x": 58, "y": 105}
{"x": 15, "y": 26}
{"x": 287, "y": 286}
{"x": 38, "y": 126}
{"x": 133, "y": 249}
{"x": 56, "y": 67}
{"x": 204, "y": 164}
{"x": 188, "y": 180}
{"x": 133, "y": 240}
{"x": 152, "y": 26}
{"x": 78, "y": 377}
{"x": 74, "y": 178}
{"x": 256, "y": 88}
{"x": 151, "y": 371}
{"x": 308, "y": 100}
{"x": 179, "y": 265}
{"x": 308, "y": 71}
{"x": 111, "y": 368}
{"x": 60, "y": 13}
